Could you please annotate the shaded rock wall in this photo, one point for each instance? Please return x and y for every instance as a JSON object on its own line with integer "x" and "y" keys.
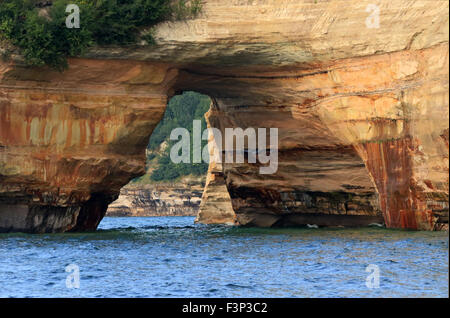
{"x": 362, "y": 113}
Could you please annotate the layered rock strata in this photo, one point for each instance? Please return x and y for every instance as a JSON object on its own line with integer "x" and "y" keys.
{"x": 215, "y": 207}
{"x": 361, "y": 111}
{"x": 157, "y": 200}
{"x": 69, "y": 141}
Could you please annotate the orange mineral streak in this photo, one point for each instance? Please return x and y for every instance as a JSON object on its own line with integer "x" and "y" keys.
{"x": 389, "y": 163}
{"x": 62, "y": 135}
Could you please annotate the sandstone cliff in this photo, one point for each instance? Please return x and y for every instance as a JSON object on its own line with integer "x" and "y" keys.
{"x": 215, "y": 207}
{"x": 157, "y": 200}
{"x": 362, "y": 115}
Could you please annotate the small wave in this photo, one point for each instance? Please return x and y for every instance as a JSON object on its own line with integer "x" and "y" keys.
{"x": 231, "y": 285}
{"x": 165, "y": 227}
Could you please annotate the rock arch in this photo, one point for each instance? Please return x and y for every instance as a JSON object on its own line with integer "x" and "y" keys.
{"x": 362, "y": 113}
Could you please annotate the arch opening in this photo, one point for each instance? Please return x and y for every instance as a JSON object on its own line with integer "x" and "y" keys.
{"x": 168, "y": 188}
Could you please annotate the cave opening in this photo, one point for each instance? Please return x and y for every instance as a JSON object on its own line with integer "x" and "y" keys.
{"x": 168, "y": 188}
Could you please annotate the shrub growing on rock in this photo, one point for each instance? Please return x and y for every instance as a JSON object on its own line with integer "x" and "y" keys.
{"x": 39, "y": 30}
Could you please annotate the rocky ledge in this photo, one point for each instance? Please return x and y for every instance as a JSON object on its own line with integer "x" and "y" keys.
{"x": 157, "y": 200}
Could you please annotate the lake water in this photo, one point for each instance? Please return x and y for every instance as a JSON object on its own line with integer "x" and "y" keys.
{"x": 172, "y": 257}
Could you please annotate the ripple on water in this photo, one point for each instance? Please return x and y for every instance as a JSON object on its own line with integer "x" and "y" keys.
{"x": 172, "y": 257}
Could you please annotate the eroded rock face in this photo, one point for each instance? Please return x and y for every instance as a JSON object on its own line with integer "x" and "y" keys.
{"x": 70, "y": 141}
{"x": 157, "y": 200}
{"x": 357, "y": 129}
{"x": 215, "y": 207}
{"x": 362, "y": 113}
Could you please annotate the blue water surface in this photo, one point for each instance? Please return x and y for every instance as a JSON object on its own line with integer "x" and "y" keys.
{"x": 173, "y": 257}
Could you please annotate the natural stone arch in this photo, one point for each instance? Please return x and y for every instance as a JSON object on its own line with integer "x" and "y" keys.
{"x": 69, "y": 141}
{"x": 311, "y": 185}
{"x": 339, "y": 113}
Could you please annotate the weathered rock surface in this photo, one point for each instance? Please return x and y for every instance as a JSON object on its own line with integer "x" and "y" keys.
{"x": 69, "y": 141}
{"x": 157, "y": 200}
{"x": 362, "y": 115}
{"x": 215, "y": 207}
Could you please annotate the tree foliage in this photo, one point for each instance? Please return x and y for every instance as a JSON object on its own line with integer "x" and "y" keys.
{"x": 181, "y": 111}
{"x": 43, "y": 38}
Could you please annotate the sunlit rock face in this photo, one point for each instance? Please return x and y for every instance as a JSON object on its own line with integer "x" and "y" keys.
{"x": 215, "y": 206}
{"x": 361, "y": 112}
{"x": 70, "y": 141}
